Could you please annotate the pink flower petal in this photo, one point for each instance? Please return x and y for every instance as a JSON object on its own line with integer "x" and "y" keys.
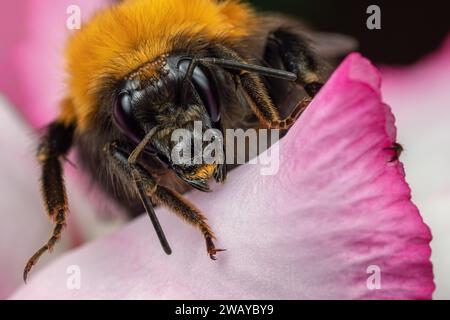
{"x": 32, "y": 38}
{"x": 420, "y": 97}
{"x": 335, "y": 209}
{"x": 33, "y": 34}
{"x": 24, "y": 225}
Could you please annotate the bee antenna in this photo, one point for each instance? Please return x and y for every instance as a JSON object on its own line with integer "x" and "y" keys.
{"x": 137, "y": 173}
{"x": 241, "y": 66}
{"x": 152, "y": 215}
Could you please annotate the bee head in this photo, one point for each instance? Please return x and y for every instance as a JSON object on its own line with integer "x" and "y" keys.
{"x": 172, "y": 94}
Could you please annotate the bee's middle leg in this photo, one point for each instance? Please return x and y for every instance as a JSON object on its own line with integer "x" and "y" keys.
{"x": 164, "y": 196}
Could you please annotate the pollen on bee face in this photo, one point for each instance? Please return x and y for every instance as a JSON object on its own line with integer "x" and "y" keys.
{"x": 149, "y": 70}
{"x": 203, "y": 172}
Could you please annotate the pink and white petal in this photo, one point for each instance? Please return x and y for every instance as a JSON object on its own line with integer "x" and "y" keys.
{"x": 335, "y": 209}
{"x": 420, "y": 97}
{"x": 31, "y": 50}
{"x": 33, "y": 34}
{"x": 24, "y": 226}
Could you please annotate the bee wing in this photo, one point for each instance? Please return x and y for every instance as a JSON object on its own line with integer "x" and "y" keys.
{"x": 331, "y": 46}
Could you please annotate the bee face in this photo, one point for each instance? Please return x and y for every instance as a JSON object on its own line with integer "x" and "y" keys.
{"x": 170, "y": 93}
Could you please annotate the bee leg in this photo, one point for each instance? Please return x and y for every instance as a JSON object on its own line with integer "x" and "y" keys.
{"x": 298, "y": 58}
{"x": 263, "y": 107}
{"x": 55, "y": 145}
{"x": 258, "y": 98}
{"x": 188, "y": 212}
{"x": 164, "y": 196}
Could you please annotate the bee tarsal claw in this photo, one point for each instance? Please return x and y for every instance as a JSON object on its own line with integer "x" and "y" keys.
{"x": 211, "y": 248}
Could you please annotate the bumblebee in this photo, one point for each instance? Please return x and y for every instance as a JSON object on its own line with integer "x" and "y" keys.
{"x": 141, "y": 69}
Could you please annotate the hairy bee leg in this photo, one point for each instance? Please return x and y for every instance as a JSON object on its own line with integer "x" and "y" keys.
{"x": 189, "y": 213}
{"x": 259, "y": 99}
{"x": 55, "y": 145}
{"x": 166, "y": 197}
{"x": 263, "y": 107}
{"x": 172, "y": 200}
{"x": 298, "y": 58}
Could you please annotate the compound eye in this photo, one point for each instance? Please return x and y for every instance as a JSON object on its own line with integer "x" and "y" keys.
{"x": 206, "y": 92}
{"x": 204, "y": 88}
{"x": 123, "y": 116}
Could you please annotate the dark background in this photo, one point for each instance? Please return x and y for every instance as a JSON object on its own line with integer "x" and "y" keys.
{"x": 410, "y": 29}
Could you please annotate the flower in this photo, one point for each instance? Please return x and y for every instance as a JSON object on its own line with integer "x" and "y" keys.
{"x": 336, "y": 222}
{"x": 32, "y": 34}
{"x": 31, "y": 53}
{"x": 336, "y": 210}
{"x": 21, "y": 230}
{"x": 420, "y": 98}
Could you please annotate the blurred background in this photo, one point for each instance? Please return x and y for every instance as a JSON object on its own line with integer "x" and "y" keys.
{"x": 410, "y": 29}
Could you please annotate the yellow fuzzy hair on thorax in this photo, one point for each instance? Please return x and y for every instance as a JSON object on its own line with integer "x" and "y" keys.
{"x": 123, "y": 37}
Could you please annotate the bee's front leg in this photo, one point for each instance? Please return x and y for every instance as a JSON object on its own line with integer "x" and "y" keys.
{"x": 162, "y": 195}
{"x": 54, "y": 146}
{"x": 188, "y": 212}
